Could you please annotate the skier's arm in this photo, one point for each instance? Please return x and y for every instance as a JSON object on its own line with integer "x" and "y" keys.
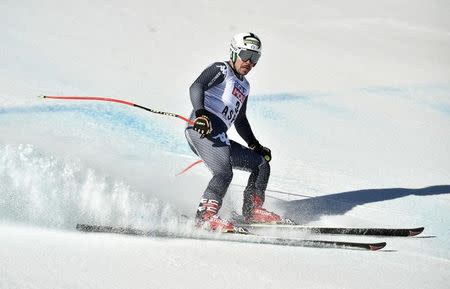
{"x": 243, "y": 126}
{"x": 211, "y": 76}
{"x": 245, "y": 131}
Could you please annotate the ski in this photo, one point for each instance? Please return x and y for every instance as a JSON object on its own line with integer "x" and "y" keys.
{"x": 239, "y": 236}
{"x": 386, "y": 232}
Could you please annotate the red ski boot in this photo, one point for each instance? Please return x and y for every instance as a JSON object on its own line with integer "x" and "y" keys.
{"x": 208, "y": 219}
{"x": 257, "y": 214}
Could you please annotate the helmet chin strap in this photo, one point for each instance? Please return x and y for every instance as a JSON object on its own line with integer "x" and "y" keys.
{"x": 233, "y": 57}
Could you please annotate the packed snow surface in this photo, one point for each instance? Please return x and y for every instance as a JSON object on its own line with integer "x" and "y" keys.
{"x": 353, "y": 98}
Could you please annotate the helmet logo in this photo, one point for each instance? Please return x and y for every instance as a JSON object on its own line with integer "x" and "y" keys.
{"x": 252, "y": 42}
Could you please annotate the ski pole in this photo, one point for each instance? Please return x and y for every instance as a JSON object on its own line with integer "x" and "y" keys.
{"x": 118, "y": 101}
{"x": 189, "y": 167}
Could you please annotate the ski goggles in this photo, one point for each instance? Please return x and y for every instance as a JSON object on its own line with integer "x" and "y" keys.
{"x": 245, "y": 55}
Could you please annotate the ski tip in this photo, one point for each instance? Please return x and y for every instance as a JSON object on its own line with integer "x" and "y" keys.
{"x": 41, "y": 96}
{"x": 377, "y": 246}
{"x": 416, "y": 231}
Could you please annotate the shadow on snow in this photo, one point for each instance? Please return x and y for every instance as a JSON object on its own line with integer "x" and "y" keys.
{"x": 311, "y": 209}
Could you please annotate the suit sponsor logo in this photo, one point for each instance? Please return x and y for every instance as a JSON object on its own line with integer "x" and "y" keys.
{"x": 223, "y": 138}
{"x": 239, "y": 91}
{"x": 222, "y": 68}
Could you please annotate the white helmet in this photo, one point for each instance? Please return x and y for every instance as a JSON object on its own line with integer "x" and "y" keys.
{"x": 245, "y": 45}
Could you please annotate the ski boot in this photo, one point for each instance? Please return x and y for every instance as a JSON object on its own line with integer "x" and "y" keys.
{"x": 208, "y": 219}
{"x": 257, "y": 214}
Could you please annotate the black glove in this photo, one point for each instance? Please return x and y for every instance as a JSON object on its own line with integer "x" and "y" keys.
{"x": 202, "y": 124}
{"x": 263, "y": 151}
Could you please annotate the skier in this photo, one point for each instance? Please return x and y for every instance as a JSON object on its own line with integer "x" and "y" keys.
{"x": 219, "y": 98}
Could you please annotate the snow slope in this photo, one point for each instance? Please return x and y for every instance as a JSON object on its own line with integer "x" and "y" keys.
{"x": 353, "y": 98}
